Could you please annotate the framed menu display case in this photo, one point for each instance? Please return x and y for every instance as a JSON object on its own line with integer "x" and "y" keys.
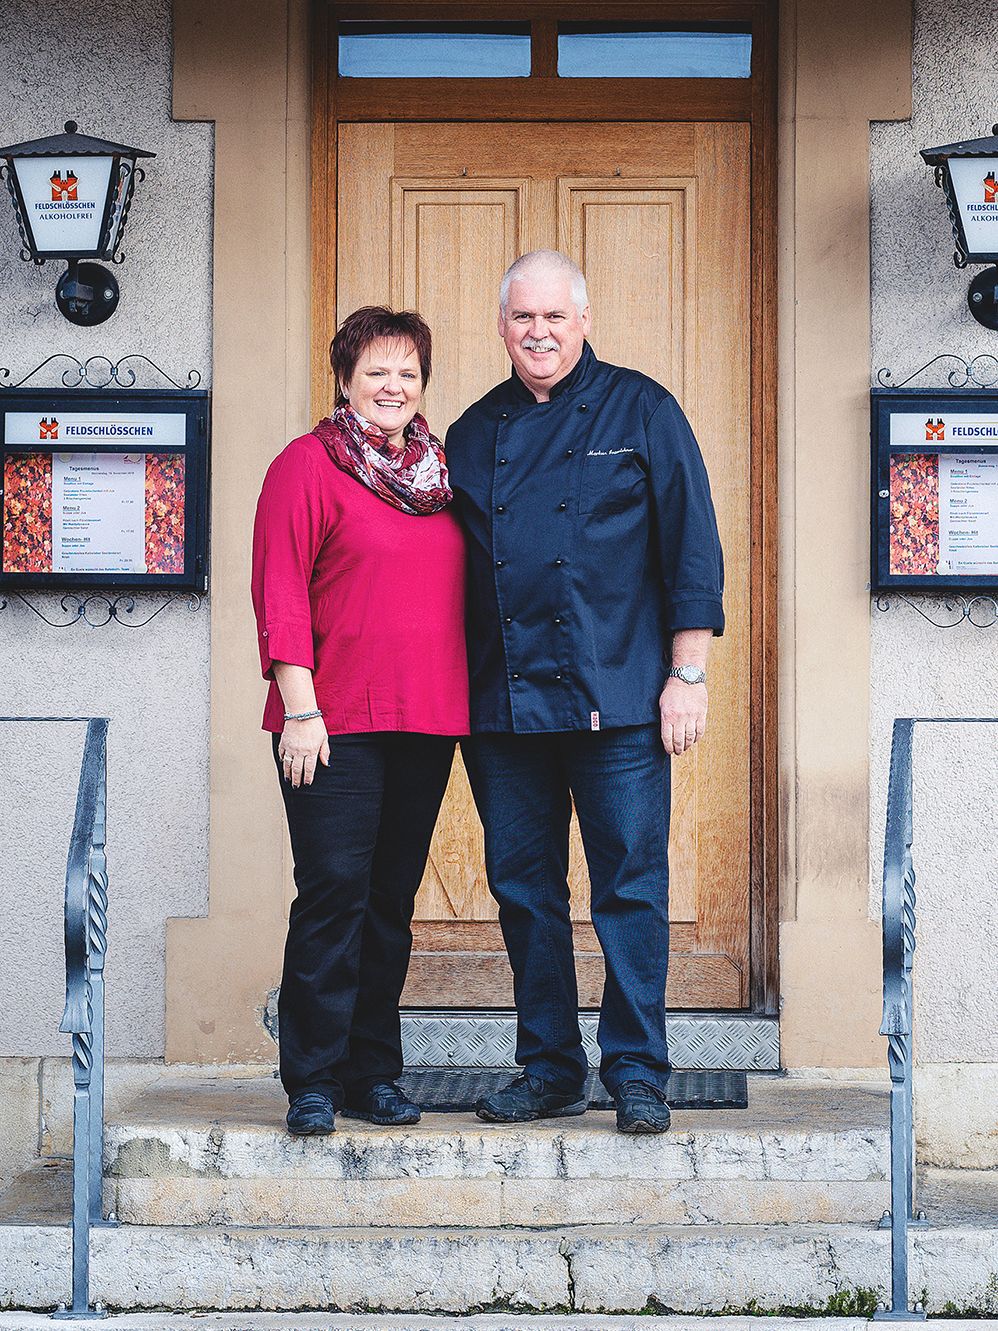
{"x": 934, "y": 473}
{"x": 104, "y": 489}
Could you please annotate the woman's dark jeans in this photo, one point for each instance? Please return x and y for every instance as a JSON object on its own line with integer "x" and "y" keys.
{"x": 360, "y": 836}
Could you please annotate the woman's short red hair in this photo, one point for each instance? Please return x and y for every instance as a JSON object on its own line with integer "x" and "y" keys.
{"x": 369, "y": 324}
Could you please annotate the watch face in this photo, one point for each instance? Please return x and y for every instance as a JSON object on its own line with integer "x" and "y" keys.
{"x": 690, "y": 674}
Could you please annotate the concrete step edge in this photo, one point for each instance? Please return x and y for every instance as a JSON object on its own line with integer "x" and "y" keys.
{"x": 652, "y": 1268}
{"x": 514, "y": 1151}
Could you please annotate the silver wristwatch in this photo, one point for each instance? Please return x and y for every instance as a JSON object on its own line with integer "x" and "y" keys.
{"x": 689, "y": 674}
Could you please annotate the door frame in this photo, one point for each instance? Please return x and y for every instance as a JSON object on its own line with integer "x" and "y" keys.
{"x": 753, "y": 101}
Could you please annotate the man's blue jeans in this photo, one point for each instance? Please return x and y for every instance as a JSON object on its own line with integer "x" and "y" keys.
{"x": 523, "y": 786}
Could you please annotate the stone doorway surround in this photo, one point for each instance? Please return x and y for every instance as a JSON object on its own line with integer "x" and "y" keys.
{"x": 246, "y": 67}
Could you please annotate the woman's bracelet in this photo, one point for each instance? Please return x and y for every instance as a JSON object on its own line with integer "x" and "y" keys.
{"x": 301, "y": 716}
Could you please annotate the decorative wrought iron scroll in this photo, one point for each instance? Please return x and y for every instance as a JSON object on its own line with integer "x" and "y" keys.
{"x": 100, "y": 372}
{"x": 96, "y": 609}
{"x": 980, "y": 611}
{"x": 980, "y": 372}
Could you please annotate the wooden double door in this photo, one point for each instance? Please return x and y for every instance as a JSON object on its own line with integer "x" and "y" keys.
{"x": 428, "y": 217}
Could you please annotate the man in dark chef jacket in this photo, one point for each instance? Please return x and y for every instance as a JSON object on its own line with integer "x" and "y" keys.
{"x": 595, "y": 581}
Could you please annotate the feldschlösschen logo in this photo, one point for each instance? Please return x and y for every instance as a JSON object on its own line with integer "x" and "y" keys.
{"x": 63, "y": 191}
{"x": 990, "y": 188}
{"x": 48, "y": 429}
{"x": 935, "y": 429}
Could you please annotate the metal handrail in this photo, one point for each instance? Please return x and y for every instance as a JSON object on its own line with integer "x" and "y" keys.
{"x": 83, "y": 1018}
{"x": 897, "y": 1023}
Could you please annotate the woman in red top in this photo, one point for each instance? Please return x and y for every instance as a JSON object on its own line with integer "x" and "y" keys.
{"x": 358, "y": 587}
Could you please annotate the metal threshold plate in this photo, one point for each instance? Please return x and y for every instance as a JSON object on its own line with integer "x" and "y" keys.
{"x": 706, "y": 1041}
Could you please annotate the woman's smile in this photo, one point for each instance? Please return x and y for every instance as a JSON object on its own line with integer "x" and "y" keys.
{"x": 386, "y": 386}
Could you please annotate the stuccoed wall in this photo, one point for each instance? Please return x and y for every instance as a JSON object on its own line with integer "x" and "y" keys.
{"x": 107, "y": 66}
{"x": 919, "y": 310}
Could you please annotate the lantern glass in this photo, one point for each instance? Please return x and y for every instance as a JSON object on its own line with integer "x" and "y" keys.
{"x": 975, "y": 187}
{"x": 121, "y": 188}
{"x": 64, "y": 201}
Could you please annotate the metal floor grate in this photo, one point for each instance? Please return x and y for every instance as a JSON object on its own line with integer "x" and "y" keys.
{"x": 450, "y": 1090}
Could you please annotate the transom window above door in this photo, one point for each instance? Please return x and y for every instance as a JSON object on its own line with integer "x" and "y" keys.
{"x": 646, "y": 51}
{"x": 434, "y": 50}
{"x": 368, "y": 49}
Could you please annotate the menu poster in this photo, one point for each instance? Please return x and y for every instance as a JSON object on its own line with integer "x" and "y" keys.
{"x": 968, "y": 513}
{"x": 98, "y": 513}
{"x": 935, "y": 489}
{"x": 102, "y": 489}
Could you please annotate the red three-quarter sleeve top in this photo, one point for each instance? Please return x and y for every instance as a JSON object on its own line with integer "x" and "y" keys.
{"x": 369, "y": 598}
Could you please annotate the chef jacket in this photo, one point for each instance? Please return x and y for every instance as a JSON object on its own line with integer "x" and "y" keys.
{"x": 591, "y": 540}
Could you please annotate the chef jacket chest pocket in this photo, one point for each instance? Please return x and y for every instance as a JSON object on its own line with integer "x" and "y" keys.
{"x": 612, "y": 479}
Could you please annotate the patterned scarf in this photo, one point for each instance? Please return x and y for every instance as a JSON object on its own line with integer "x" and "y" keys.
{"x": 412, "y": 478}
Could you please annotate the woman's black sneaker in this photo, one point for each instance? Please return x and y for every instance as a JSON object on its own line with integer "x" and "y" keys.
{"x": 311, "y": 1114}
{"x": 641, "y": 1107}
{"x": 383, "y": 1103}
{"x": 527, "y": 1098}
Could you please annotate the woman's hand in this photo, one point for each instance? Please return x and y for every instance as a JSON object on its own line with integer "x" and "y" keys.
{"x": 303, "y": 745}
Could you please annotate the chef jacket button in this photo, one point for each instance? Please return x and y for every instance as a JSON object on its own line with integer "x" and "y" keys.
{"x": 500, "y": 508}
{"x": 508, "y": 619}
{"x": 562, "y": 507}
{"x": 500, "y": 563}
{"x": 558, "y": 563}
{"x": 558, "y": 677}
{"x": 514, "y": 676}
{"x": 569, "y": 452}
{"x": 504, "y": 415}
{"x": 583, "y": 407}
{"x": 503, "y": 461}
{"x": 557, "y": 619}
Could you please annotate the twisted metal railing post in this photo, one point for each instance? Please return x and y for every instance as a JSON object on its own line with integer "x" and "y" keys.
{"x": 83, "y": 1018}
{"x": 97, "y": 948}
{"x": 899, "y": 955}
{"x": 898, "y": 1019}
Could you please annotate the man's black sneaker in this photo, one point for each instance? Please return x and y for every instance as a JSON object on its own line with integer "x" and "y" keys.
{"x": 641, "y": 1107}
{"x": 527, "y": 1098}
{"x": 311, "y": 1114}
{"x": 383, "y": 1103}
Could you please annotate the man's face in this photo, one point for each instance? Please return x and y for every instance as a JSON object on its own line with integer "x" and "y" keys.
{"x": 543, "y": 329}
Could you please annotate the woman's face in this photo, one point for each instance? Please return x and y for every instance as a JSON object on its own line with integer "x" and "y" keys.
{"x": 386, "y": 386}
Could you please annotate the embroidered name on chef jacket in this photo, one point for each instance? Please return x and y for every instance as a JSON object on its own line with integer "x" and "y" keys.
{"x": 607, "y": 452}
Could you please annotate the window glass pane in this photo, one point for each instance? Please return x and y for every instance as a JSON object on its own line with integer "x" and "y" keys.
{"x": 434, "y": 51}
{"x": 639, "y": 52}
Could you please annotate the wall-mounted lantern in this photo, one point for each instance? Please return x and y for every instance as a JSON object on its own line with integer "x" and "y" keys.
{"x": 967, "y": 172}
{"x": 71, "y": 195}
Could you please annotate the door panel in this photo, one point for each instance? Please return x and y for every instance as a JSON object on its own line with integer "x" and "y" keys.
{"x": 429, "y": 217}
{"x": 448, "y": 254}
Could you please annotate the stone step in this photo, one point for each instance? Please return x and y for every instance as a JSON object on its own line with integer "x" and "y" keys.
{"x": 30, "y": 1321}
{"x": 588, "y": 1268}
{"x": 217, "y": 1153}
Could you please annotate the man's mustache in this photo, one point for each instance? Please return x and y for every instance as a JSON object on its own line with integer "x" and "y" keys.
{"x": 541, "y": 344}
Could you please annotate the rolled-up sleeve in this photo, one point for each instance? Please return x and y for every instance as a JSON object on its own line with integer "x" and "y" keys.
{"x": 289, "y": 529}
{"x": 686, "y": 527}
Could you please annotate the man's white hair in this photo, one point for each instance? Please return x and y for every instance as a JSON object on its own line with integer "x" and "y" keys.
{"x": 549, "y": 261}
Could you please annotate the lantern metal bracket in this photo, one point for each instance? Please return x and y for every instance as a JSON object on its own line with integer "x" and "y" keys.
{"x": 979, "y": 611}
{"x": 979, "y": 372}
{"x": 97, "y": 609}
{"x": 100, "y": 372}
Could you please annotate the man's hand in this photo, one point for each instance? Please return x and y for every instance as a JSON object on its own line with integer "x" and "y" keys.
{"x": 683, "y": 711}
